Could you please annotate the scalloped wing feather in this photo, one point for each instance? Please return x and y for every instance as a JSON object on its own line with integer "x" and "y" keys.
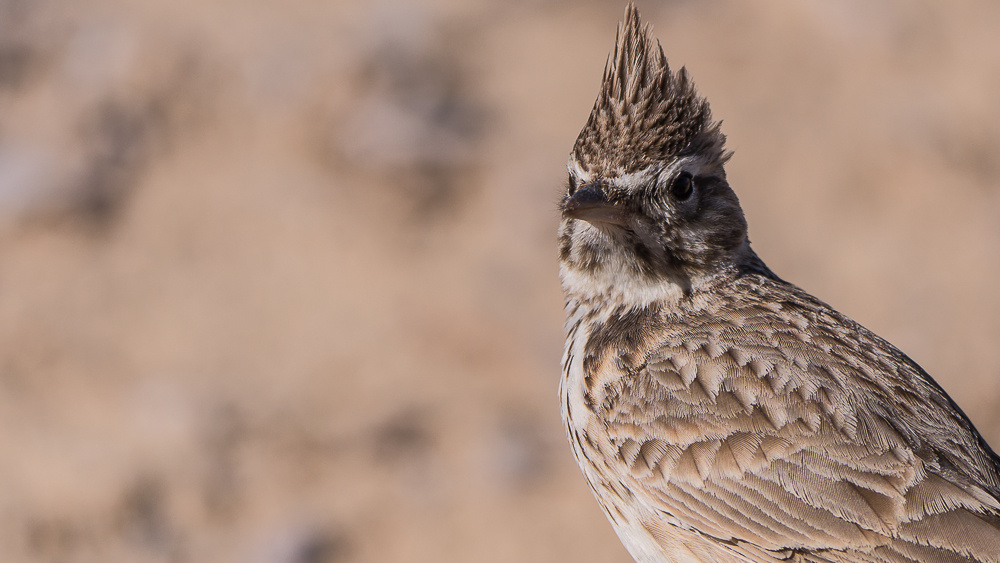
{"x": 801, "y": 443}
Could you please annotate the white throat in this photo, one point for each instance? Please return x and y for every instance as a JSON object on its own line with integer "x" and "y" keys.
{"x": 615, "y": 282}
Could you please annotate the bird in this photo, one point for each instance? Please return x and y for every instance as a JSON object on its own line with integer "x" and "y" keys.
{"x": 719, "y": 413}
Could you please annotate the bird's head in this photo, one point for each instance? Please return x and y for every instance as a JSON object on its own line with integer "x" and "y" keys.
{"x": 647, "y": 207}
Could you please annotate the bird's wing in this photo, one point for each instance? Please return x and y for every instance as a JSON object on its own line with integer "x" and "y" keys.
{"x": 803, "y": 434}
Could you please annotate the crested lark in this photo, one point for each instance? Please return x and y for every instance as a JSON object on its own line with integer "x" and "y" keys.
{"x": 719, "y": 413}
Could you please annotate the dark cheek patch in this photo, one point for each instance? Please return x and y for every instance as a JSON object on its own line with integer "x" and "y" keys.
{"x": 643, "y": 257}
{"x": 589, "y": 258}
{"x": 566, "y": 243}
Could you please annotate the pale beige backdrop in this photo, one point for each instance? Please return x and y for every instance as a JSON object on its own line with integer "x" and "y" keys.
{"x": 278, "y": 281}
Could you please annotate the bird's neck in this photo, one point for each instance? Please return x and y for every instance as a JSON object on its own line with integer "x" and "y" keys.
{"x": 609, "y": 288}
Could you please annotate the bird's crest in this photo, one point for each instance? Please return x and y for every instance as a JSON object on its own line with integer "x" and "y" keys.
{"x": 644, "y": 113}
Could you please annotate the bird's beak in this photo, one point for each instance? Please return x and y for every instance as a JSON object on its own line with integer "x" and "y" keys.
{"x": 590, "y": 204}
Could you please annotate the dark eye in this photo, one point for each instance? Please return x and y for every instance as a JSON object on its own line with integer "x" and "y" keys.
{"x": 683, "y": 186}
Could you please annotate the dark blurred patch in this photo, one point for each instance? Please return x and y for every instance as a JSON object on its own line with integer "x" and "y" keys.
{"x": 306, "y": 544}
{"x": 125, "y": 134}
{"x": 121, "y": 137}
{"x": 16, "y": 61}
{"x": 414, "y": 123}
{"x": 287, "y": 431}
{"x": 973, "y": 151}
{"x": 403, "y": 437}
{"x": 143, "y": 519}
{"x": 57, "y": 539}
{"x": 321, "y": 547}
{"x": 19, "y": 44}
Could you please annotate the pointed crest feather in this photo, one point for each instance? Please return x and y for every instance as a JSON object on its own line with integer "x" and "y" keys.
{"x": 644, "y": 113}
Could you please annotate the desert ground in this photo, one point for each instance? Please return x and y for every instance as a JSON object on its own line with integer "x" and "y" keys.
{"x": 279, "y": 284}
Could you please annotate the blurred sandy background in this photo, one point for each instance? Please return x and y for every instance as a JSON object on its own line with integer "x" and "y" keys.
{"x": 278, "y": 280}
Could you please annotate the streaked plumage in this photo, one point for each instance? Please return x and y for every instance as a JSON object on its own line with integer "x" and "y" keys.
{"x": 719, "y": 413}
